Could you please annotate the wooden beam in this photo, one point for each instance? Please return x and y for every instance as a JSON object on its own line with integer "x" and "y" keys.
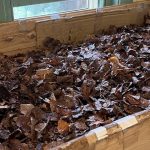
{"x": 19, "y": 36}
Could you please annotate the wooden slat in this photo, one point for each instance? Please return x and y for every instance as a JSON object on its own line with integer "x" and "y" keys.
{"x": 76, "y": 28}
{"x": 134, "y": 137}
{"x": 71, "y": 27}
{"x": 15, "y": 35}
{"x": 14, "y": 27}
{"x": 81, "y": 27}
{"x": 57, "y": 29}
{"x": 124, "y": 17}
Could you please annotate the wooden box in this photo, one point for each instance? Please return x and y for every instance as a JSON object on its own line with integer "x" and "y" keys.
{"x": 129, "y": 133}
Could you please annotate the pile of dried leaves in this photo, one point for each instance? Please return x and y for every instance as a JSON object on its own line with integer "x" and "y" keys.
{"x": 49, "y": 97}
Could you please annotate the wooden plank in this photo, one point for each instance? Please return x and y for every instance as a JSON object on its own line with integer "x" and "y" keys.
{"x": 76, "y": 28}
{"x": 15, "y": 27}
{"x": 57, "y": 29}
{"x": 17, "y": 35}
{"x": 19, "y": 41}
{"x": 144, "y": 136}
{"x": 113, "y": 142}
{"x": 81, "y": 27}
{"x": 72, "y": 27}
{"x": 134, "y": 137}
{"x": 119, "y": 18}
{"x": 66, "y": 30}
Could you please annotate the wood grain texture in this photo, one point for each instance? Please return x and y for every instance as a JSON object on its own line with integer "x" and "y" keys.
{"x": 17, "y": 36}
{"x": 57, "y": 29}
{"x": 136, "y": 137}
{"x": 76, "y": 28}
{"x": 71, "y": 27}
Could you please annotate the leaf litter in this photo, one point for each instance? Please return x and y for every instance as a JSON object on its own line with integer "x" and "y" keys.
{"x": 50, "y": 96}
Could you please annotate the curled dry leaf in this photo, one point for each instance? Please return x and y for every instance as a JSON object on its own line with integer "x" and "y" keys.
{"x": 144, "y": 102}
{"x": 28, "y": 62}
{"x": 117, "y": 67}
{"x": 146, "y": 92}
{"x": 26, "y": 108}
{"x": 118, "y": 92}
{"x": 65, "y": 79}
{"x": 87, "y": 87}
{"x": 80, "y": 125}
{"x": 134, "y": 100}
{"x": 84, "y": 66}
{"x": 55, "y": 61}
{"x": 70, "y": 101}
{"x": 43, "y": 73}
{"x": 137, "y": 100}
{"x": 53, "y": 103}
{"x": 146, "y": 89}
{"x": 94, "y": 121}
{"x": 98, "y": 105}
{"x": 63, "y": 127}
{"x": 24, "y": 123}
{"x": 16, "y": 144}
{"x": 40, "y": 127}
{"x": 4, "y": 134}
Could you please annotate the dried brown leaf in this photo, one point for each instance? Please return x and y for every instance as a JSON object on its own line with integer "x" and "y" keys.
{"x": 87, "y": 88}
{"x": 63, "y": 127}
{"x": 26, "y": 108}
{"x": 43, "y": 73}
{"x": 65, "y": 79}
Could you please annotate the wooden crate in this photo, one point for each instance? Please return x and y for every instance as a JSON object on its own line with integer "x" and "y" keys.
{"x": 129, "y": 133}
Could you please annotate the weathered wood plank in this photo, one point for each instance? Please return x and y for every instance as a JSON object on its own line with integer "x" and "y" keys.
{"x": 81, "y": 27}
{"x": 76, "y": 29}
{"x": 57, "y": 29}
{"x": 124, "y": 17}
{"x": 17, "y": 35}
{"x": 72, "y": 27}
